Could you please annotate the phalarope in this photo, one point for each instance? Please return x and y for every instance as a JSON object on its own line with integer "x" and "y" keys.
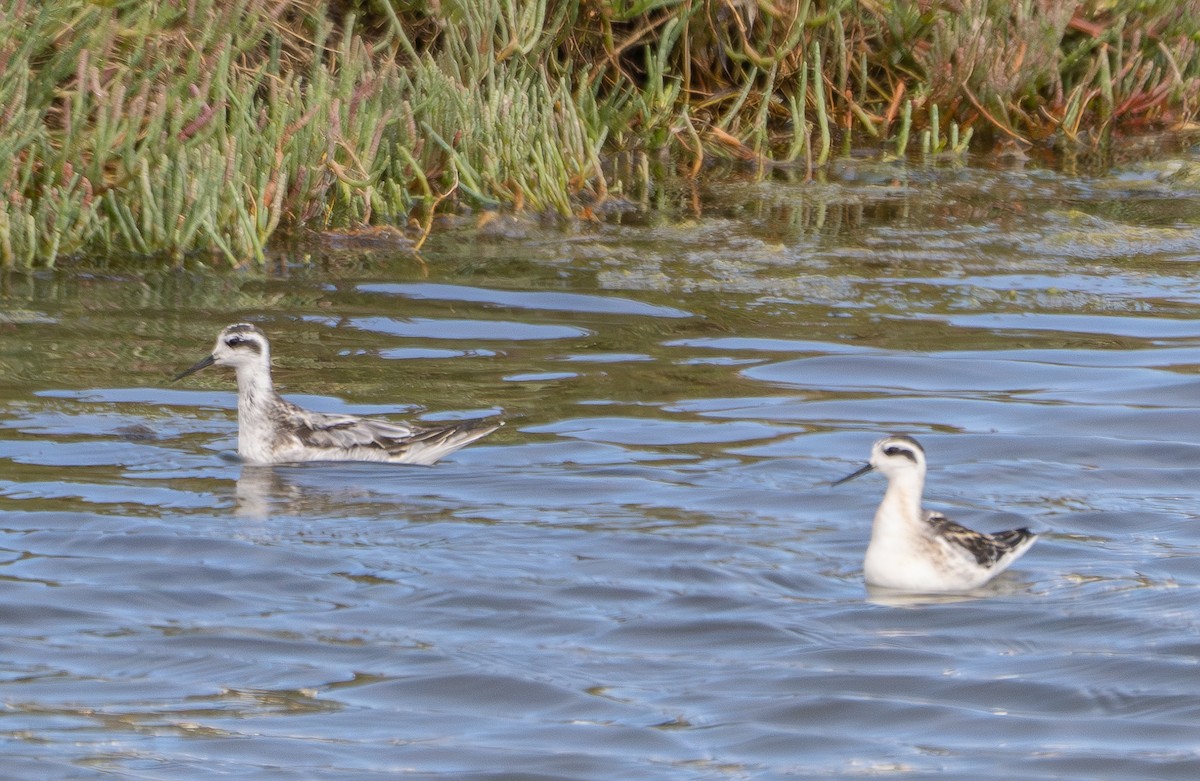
{"x": 926, "y": 552}
{"x": 273, "y": 430}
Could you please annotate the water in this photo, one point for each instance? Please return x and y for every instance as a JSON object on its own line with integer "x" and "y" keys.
{"x": 645, "y": 574}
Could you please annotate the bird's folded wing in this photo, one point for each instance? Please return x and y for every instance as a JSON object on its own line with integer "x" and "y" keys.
{"x": 982, "y": 546}
{"x": 346, "y": 431}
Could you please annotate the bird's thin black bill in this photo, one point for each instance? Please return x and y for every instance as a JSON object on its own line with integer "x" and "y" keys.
{"x": 203, "y": 363}
{"x": 853, "y": 475}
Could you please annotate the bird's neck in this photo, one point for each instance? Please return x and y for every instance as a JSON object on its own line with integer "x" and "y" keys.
{"x": 901, "y": 505}
{"x": 255, "y": 386}
{"x": 256, "y": 426}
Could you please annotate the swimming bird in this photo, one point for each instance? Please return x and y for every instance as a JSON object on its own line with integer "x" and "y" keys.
{"x": 273, "y": 430}
{"x": 926, "y": 552}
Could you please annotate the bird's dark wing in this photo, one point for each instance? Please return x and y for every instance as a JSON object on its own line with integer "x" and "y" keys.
{"x": 986, "y": 548}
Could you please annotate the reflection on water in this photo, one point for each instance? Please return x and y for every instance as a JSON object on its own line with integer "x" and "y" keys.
{"x": 258, "y": 487}
{"x": 1007, "y": 585}
{"x": 645, "y": 574}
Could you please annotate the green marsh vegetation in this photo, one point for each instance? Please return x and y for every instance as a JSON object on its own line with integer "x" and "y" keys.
{"x": 177, "y": 127}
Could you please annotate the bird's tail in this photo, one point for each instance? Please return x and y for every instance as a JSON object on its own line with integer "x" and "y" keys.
{"x": 428, "y": 445}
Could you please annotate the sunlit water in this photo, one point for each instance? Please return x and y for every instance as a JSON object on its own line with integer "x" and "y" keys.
{"x": 645, "y": 574}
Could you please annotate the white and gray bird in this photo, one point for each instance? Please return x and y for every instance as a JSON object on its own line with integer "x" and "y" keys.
{"x": 925, "y": 552}
{"x": 273, "y": 430}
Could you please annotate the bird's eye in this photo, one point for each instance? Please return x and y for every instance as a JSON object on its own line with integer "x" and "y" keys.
{"x": 234, "y": 341}
{"x": 897, "y": 451}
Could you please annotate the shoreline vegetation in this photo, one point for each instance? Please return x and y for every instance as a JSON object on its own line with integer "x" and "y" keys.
{"x": 179, "y": 127}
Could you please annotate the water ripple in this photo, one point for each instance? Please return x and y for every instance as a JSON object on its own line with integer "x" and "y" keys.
{"x": 646, "y": 574}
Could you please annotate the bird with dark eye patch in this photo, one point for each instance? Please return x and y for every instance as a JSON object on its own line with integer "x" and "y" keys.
{"x": 925, "y": 552}
{"x": 905, "y": 452}
{"x": 273, "y": 430}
